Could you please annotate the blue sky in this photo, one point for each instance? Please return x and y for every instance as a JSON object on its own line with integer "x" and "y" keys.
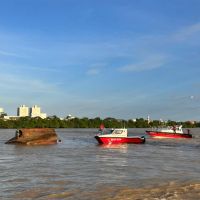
{"x": 109, "y": 58}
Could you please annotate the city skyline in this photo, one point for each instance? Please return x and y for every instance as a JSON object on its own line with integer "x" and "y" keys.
{"x": 28, "y": 110}
{"x": 25, "y": 111}
{"x": 121, "y": 59}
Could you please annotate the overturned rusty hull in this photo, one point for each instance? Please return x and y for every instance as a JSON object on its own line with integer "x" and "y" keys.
{"x": 34, "y": 136}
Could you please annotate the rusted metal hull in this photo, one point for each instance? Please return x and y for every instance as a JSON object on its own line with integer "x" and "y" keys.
{"x": 34, "y": 136}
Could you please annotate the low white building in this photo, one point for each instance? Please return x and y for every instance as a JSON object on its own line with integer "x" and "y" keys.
{"x": 43, "y": 115}
{"x": 1, "y": 110}
{"x": 11, "y": 117}
{"x": 69, "y": 117}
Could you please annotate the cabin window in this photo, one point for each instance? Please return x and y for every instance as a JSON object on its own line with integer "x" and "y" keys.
{"x": 118, "y": 132}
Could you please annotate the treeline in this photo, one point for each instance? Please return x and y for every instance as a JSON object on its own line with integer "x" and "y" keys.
{"x": 55, "y": 122}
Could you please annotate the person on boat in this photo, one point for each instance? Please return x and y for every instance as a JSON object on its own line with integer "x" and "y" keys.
{"x": 17, "y": 134}
{"x": 101, "y": 129}
{"x": 174, "y": 129}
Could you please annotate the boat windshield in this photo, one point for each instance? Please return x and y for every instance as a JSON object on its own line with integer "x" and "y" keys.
{"x": 103, "y": 132}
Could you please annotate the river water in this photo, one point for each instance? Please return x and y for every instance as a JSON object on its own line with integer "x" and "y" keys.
{"x": 79, "y": 168}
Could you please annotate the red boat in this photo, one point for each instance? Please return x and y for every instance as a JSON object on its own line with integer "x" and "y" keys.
{"x": 116, "y": 136}
{"x": 169, "y": 132}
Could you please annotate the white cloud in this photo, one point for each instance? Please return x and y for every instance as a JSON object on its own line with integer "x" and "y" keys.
{"x": 148, "y": 63}
{"x": 6, "y": 53}
{"x": 23, "y": 84}
{"x": 191, "y": 97}
{"x": 93, "y": 71}
{"x": 16, "y": 90}
{"x": 9, "y": 66}
{"x": 96, "y": 69}
{"x": 187, "y": 32}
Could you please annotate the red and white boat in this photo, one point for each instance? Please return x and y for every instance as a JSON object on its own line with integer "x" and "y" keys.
{"x": 169, "y": 132}
{"x": 117, "y": 136}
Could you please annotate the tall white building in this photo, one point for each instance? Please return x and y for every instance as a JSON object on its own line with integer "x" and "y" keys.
{"x": 148, "y": 119}
{"x": 23, "y": 111}
{"x": 36, "y": 112}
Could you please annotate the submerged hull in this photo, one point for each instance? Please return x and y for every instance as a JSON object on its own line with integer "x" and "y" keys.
{"x": 119, "y": 140}
{"x": 34, "y": 136}
{"x": 168, "y": 135}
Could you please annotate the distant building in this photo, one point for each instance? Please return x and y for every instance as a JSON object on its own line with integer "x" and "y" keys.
{"x": 23, "y": 111}
{"x": 2, "y": 113}
{"x": 1, "y": 110}
{"x": 69, "y": 117}
{"x": 11, "y": 117}
{"x": 148, "y": 119}
{"x": 43, "y": 115}
{"x": 36, "y": 112}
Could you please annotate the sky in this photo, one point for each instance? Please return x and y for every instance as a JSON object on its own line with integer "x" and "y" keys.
{"x": 125, "y": 59}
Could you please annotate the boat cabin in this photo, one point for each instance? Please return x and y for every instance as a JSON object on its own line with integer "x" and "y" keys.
{"x": 122, "y": 132}
{"x": 173, "y": 129}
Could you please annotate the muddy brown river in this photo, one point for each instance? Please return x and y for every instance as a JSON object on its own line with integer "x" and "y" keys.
{"x": 79, "y": 168}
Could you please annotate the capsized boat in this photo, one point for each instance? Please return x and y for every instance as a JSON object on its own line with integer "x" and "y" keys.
{"x": 116, "y": 136}
{"x": 169, "y": 132}
{"x": 34, "y": 136}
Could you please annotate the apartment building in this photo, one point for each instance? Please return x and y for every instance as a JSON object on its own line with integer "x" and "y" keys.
{"x": 23, "y": 111}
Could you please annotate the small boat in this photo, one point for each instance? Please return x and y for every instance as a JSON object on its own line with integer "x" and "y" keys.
{"x": 169, "y": 132}
{"x": 117, "y": 136}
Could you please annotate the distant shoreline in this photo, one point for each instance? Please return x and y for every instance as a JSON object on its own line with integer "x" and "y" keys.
{"x": 55, "y": 122}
